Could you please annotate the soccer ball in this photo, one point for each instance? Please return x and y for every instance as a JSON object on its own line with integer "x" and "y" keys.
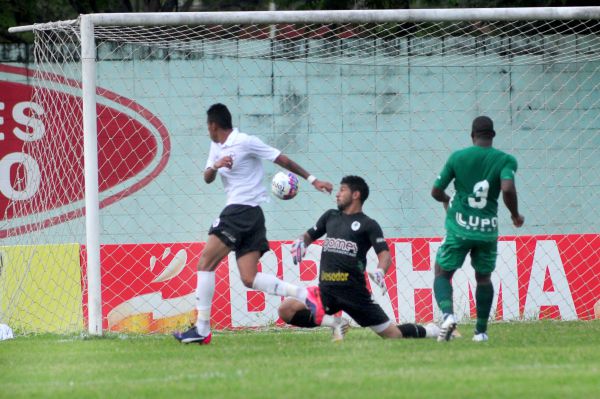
{"x": 284, "y": 185}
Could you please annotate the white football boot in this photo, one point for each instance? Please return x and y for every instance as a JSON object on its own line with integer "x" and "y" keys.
{"x": 480, "y": 337}
{"x": 447, "y": 328}
{"x": 340, "y": 329}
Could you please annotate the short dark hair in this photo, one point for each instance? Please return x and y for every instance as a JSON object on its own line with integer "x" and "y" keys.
{"x": 483, "y": 126}
{"x": 357, "y": 183}
{"x": 219, "y": 114}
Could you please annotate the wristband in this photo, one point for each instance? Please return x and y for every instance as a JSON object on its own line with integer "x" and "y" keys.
{"x": 311, "y": 179}
{"x": 213, "y": 167}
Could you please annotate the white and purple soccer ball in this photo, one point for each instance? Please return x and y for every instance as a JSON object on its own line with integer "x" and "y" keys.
{"x": 284, "y": 185}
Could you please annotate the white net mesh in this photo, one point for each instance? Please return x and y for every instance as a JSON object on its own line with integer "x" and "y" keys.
{"x": 388, "y": 102}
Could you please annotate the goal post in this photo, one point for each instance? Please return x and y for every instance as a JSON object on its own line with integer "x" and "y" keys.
{"x": 115, "y": 130}
{"x": 90, "y": 158}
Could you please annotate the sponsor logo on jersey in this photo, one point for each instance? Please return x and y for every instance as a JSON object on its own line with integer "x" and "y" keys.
{"x": 334, "y": 276}
{"x": 476, "y": 222}
{"x": 216, "y": 222}
{"x": 355, "y": 225}
{"x": 340, "y": 246}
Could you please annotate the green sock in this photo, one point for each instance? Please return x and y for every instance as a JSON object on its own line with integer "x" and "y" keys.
{"x": 443, "y": 294}
{"x": 484, "y": 295}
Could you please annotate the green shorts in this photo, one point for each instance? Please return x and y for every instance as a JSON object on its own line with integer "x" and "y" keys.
{"x": 454, "y": 250}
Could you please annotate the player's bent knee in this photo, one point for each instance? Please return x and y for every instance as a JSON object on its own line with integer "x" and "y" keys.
{"x": 288, "y": 309}
{"x": 285, "y": 314}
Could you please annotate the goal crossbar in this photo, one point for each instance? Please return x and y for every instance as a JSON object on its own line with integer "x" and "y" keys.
{"x": 336, "y": 16}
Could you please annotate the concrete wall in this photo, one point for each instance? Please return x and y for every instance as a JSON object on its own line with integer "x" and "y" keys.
{"x": 393, "y": 120}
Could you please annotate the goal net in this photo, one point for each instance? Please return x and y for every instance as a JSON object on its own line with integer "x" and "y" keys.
{"x": 386, "y": 95}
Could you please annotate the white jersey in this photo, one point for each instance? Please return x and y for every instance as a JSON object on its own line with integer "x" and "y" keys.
{"x": 243, "y": 182}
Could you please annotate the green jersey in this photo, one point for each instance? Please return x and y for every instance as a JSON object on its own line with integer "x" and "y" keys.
{"x": 477, "y": 172}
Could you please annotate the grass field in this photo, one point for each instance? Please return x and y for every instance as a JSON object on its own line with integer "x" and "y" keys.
{"x": 521, "y": 360}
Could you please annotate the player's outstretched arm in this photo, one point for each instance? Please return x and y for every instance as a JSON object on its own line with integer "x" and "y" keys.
{"x": 285, "y": 162}
{"x": 509, "y": 196}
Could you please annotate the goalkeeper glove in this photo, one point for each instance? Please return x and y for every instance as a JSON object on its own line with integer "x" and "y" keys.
{"x": 298, "y": 250}
{"x": 378, "y": 278}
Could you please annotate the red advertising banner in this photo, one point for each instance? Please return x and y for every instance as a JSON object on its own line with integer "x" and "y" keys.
{"x": 151, "y": 287}
{"x": 32, "y": 165}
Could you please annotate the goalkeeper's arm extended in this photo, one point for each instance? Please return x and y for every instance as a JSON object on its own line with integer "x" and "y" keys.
{"x": 378, "y": 276}
{"x": 299, "y": 247}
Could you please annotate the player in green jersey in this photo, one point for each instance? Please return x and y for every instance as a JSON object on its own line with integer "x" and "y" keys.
{"x": 480, "y": 173}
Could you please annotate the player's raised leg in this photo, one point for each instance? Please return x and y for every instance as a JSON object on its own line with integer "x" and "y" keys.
{"x": 268, "y": 283}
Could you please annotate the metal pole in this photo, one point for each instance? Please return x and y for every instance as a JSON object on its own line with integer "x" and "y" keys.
{"x": 333, "y": 16}
{"x": 90, "y": 153}
{"x": 347, "y": 16}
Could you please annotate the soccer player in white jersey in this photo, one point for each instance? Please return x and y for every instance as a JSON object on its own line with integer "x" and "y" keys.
{"x": 237, "y": 158}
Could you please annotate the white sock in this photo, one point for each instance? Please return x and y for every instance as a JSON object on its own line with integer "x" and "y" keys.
{"x": 301, "y": 294}
{"x": 205, "y": 290}
{"x": 431, "y": 330}
{"x": 330, "y": 321}
{"x": 274, "y": 286}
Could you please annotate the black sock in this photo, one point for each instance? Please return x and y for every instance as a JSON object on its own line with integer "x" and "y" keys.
{"x": 410, "y": 330}
{"x": 303, "y": 318}
{"x": 484, "y": 296}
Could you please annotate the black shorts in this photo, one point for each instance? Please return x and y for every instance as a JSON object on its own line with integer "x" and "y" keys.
{"x": 354, "y": 300}
{"x": 242, "y": 228}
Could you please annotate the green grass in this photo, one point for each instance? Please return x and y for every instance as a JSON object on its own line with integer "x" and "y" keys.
{"x": 522, "y": 360}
